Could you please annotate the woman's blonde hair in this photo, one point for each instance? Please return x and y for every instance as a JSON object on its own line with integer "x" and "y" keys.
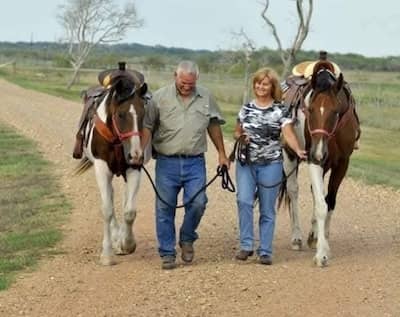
{"x": 259, "y": 75}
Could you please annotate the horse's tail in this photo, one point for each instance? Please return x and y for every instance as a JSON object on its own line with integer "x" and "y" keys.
{"x": 283, "y": 197}
{"x": 83, "y": 165}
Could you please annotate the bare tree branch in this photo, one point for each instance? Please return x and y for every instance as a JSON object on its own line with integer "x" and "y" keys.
{"x": 304, "y": 14}
{"x": 271, "y": 25}
{"x": 247, "y": 47}
{"x": 87, "y": 23}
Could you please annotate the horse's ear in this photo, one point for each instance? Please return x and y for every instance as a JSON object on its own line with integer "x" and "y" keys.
{"x": 339, "y": 83}
{"x": 143, "y": 89}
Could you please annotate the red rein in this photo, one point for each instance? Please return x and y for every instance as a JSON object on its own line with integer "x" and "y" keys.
{"x": 123, "y": 135}
{"x": 107, "y": 134}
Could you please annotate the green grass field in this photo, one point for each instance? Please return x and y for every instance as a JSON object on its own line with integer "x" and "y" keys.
{"x": 31, "y": 207}
{"x": 376, "y": 93}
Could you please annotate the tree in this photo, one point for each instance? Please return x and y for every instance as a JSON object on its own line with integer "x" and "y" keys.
{"x": 87, "y": 23}
{"x": 304, "y": 13}
{"x": 247, "y": 47}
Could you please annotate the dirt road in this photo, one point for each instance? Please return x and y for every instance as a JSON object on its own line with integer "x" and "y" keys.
{"x": 363, "y": 278}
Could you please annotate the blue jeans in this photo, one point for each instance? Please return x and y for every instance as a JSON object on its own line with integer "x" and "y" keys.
{"x": 247, "y": 178}
{"x": 173, "y": 174}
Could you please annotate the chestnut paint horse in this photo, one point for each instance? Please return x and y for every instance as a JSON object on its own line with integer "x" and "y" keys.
{"x": 326, "y": 124}
{"x": 113, "y": 148}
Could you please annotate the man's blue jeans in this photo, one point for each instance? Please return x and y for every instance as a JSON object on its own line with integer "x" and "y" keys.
{"x": 247, "y": 178}
{"x": 173, "y": 174}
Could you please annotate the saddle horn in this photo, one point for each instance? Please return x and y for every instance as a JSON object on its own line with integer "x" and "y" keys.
{"x": 323, "y": 55}
{"x": 122, "y": 66}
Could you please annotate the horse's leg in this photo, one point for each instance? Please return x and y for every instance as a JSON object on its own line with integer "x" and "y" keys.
{"x": 312, "y": 235}
{"x": 104, "y": 178}
{"x": 127, "y": 243}
{"x": 337, "y": 174}
{"x": 320, "y": 210}
{"x": 293, "y": 193}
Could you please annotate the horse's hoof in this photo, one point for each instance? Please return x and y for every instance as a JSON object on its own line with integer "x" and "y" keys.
{"x": 126, "y": 248}
{"x": 297, "y": 245}
{"x": 321, "y": 262}
{"x": 132, "y": 248}
{"x": 107, "y": 260}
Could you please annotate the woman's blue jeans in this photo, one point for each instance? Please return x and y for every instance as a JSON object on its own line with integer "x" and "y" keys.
{"x": 173, "y": 174}
{"x": 247, "y": 178}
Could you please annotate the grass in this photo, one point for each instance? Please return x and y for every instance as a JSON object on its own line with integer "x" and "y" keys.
{"x": 377, "y": 161}
{"x": 31, "y": 206}
{"x": 376, "y": 94}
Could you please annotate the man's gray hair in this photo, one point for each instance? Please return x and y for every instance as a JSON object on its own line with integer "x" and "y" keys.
{"x": 188, "y": 67}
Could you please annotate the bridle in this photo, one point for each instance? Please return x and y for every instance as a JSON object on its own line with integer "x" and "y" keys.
{"x": 122, "y": 136}
{"x": 325, "y": 132}
{"x": 307, "y": 114}
{"x": 340, "y": 120}
{"x": 114, "y": 136}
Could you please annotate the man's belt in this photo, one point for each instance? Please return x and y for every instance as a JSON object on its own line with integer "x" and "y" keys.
{"x": 183, "y": 156}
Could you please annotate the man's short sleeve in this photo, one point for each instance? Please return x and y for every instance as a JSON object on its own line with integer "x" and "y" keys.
{"x": 215, "y": 112}
{"x": 152, "y": 115}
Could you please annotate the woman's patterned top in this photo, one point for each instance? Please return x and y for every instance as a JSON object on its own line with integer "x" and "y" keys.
{"x": 263, "y": 127}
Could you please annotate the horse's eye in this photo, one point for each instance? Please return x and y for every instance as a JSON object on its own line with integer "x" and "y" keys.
{"x": 121, "y": 115}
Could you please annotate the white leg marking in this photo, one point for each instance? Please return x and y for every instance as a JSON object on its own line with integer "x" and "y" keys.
{"x": 127, "y": 243}
{"x": 104, "y": 179}
{"x": 292, "y": 186}
{"x": 328, "y": 224}
{"x": 321, "y": 210}
{"x": 293, "y": 193}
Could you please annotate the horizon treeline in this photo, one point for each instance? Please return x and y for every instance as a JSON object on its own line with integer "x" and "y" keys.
{"x": 160, "y": 57}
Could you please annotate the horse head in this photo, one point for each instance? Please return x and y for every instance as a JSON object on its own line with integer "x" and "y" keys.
{"x": 323, "y": 110}
{"x": 125, "y": 112}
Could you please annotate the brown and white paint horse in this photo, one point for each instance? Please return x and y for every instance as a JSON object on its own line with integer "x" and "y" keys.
{"x": 114, "y": 148}
{"x": 328, "y": 128}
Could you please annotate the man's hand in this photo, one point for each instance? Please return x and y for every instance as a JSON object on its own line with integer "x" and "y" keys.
{"x": 223, "y": 160}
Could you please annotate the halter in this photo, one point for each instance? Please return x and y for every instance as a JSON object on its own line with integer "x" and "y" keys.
{"x": 320, "y": 131}
{"x": 306, "y": 112}
{"x": 339, "y": 121}
{"x": 108, "y": 135}
{"x": 123, "y": 135}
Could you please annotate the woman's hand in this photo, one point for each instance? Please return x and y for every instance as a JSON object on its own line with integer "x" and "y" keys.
{"x": 244, "y": 138}
{"x": 240, "y": 134}
{"x": 302, "y": 154}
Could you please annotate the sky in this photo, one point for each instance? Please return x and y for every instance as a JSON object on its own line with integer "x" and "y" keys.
{"x": 366, "y": 27}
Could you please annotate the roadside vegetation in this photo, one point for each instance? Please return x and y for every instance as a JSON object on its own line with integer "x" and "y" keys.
{"x": 31, "y": 206}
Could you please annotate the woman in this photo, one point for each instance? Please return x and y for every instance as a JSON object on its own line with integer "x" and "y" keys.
{"x": 260, "y": 123}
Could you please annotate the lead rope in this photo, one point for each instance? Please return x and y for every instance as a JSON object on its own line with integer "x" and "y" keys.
{"x": 226, "y": 183}
{"x": 241, "y": 148}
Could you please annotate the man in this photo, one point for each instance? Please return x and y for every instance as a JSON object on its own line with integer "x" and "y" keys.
{"x": 177, "y": 121}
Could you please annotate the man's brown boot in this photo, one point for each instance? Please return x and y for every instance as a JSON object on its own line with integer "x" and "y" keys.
{"x": 78, "y": 147}
{"x": 187, "y": 251}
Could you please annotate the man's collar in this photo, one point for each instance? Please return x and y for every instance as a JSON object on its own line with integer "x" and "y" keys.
{"x": 196, "y": 92}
